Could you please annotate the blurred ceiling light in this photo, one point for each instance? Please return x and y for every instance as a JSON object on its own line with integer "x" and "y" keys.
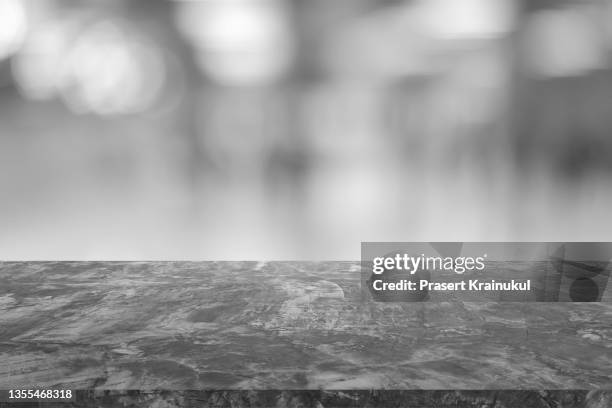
{"x": 13, "y": 27}
{"x": 239, "y": 42}
{"x": 563, "y": 42}
{"x": 36, "y": 68}
{"x": 110, "y": 70}
{"x": 466, "y": 19}
{"x": 408, "y": 38}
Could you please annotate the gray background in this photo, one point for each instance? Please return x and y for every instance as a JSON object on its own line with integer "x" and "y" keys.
{"x": 290, "y": 129}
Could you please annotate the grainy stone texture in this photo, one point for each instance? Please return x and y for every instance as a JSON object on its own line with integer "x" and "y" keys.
{"x": 280, "y": 326}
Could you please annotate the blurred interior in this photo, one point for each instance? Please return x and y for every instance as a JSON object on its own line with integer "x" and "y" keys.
{"x": 295, "y": 129}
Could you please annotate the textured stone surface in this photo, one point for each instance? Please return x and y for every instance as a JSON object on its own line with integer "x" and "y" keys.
{"x": 279, "y": 325}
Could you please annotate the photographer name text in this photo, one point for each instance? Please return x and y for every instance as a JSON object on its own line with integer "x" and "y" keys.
{"x": 463, "y": 285}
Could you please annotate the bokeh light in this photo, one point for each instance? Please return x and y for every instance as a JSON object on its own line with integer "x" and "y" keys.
{"x": 467, "y": 19}
{"x": 13, "y": 26}
{"x": 239, "y": 42}
{"x": 103, "y": 67}
{"x": 37, "y": 67}
{"x": 110, "y": 70}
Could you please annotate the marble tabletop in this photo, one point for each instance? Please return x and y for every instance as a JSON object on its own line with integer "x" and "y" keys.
{"x": 277, "y": 326}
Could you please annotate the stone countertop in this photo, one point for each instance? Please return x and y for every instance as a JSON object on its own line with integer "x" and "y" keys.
{"x": 279, "y": 325}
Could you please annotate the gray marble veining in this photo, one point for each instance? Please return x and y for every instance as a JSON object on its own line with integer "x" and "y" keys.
{"x": 279, "y": 325}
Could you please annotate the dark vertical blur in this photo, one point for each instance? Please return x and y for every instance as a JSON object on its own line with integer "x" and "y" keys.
{"x": 286, "y": 129}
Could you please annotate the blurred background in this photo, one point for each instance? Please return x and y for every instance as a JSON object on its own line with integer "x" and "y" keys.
{"x": 295, "y": 129}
